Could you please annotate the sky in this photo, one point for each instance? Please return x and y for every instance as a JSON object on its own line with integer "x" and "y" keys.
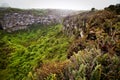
{"x": 59, "y": 4}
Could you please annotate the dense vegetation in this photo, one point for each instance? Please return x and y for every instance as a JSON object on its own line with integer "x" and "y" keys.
{"x": 95, "y": 56}
{"x": 24, "y": 50}
{"x": 114, "y": 8}
{"x": 47, "y": 53}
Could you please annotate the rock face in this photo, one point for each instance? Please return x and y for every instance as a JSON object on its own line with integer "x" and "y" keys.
{"x": 17, "y": 21}
{"x": 12, "y": 19}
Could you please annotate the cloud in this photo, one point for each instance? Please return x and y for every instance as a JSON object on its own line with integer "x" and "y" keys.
{"x": 62, "y": 4}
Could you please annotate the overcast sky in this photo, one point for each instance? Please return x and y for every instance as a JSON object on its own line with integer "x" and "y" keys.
{"x": 59, "y": 4}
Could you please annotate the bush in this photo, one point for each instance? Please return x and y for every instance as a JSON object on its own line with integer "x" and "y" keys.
{"x": 51, "y": 71}
{"x": 92, "y": 65}
{"x": 23, "y": 51}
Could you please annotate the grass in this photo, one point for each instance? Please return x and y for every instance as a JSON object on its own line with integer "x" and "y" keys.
{"x": 21, "y": 51}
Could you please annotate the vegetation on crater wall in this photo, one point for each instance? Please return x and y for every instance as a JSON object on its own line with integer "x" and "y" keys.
{"x": 22, "y": 51}
{"x": 39, "y": 53}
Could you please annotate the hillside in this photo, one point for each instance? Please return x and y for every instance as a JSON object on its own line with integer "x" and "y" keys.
{"x": 95, "y": 52}
{"x": 26, "y": 49}
{"x": 82, "y": 46}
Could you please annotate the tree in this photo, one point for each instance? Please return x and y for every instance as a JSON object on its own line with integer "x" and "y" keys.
{"x": 92, "y": 9}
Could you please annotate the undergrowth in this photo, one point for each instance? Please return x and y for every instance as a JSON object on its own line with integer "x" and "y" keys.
{"x": 24, "y": 50}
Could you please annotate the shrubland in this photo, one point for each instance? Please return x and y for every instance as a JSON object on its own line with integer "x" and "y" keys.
{"x": 58, "y": 53}
{"x": 23, "y": 51}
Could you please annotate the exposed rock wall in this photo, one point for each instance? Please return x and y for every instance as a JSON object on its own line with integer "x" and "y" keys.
{"x": 16, "y": 21}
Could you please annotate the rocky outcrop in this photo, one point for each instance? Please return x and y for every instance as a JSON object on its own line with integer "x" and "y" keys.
{"x": 12, "y": 19}
{"x": 17, "y": 21}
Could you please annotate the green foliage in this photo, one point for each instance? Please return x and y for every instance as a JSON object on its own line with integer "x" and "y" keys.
{"x": 51, "y": 77}
{"x": 95, "y": 55}
{"x": 23, "y": 50}
{"x": 92, "y": 9}
{"x": 96, "y": 73}
{"x": 114, "y": 8}
{"x": 99, "y": 58}
{"x": 39, "y": 53}
{"x": 82, "y": 64}
{"x": 110, "y": 67}
{"x": 92, "y": 65}
{"x": 30, "y": 76}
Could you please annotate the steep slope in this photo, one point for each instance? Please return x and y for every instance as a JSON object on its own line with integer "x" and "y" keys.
{"x": 91, "y": 26}
{"x": 24, "y": 50}
{"x": 15, "y": 19}
{"x": 94, "y": 53}
{"x": 12, "y": 19}
{"x": 91, "y": 40}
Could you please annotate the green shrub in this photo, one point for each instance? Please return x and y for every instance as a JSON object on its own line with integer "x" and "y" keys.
{"x": 92, "y": 65}
{"x": 28, "y": 49}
